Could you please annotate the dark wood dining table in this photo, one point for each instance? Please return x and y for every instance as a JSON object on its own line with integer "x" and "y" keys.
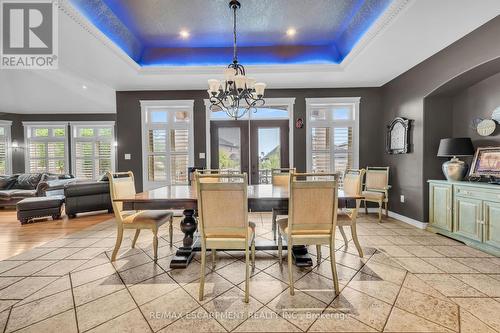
{"x": 263, "y": 197}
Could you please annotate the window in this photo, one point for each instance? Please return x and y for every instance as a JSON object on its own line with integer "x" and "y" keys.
{"x": 93, "y": 149}
{"x": 167, "y": 142}
{"x": 46, "y": 147}
{"x": 332, "y": 134}
{"x": 5, "y": 156}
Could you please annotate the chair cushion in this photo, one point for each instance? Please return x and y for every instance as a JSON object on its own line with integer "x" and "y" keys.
{"x": 343, "y": 219}
{"x": 373, "y": 195}
{"x": 283, "y": 225}
{"x": 150, "y": 217}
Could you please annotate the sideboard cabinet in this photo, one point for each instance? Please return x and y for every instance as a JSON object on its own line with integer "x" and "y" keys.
{"x": 466, "y": 211}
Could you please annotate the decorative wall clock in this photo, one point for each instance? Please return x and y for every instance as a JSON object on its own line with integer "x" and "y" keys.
{"x": 398, "y": 136}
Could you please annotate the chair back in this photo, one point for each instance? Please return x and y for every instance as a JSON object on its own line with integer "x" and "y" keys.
{"x": 223, "y": 205}
{"x": 121, "y": 185}
{"x": 281, "y": 177}
{"x": 377, "y": 178}
{"x": 353, "y": 181}
{"x": 313, "y": 203}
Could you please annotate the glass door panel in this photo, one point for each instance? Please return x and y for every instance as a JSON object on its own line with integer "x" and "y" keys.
{"x": 269, "y": 152}
{"x": 268, "y": 148}
{"x": 229, "y": 145}
{"x": 229, "y": 148}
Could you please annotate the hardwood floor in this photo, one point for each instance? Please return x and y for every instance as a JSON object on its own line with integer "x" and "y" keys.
{"x": 16, "y": 238}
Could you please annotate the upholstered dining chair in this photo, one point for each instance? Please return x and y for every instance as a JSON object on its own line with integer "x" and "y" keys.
{"x": 312, "y": 217}
{"x": 223, "y": 220}
{"x": 280, "y": 177}
{"x": 352, "y": 185}
{"x": 121, "y": 185}
{"x": 377, "y": 189}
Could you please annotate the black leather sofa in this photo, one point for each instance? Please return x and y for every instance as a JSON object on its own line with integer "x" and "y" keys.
{"x": 82, "y": 197}
{"x": 28, "y": 185}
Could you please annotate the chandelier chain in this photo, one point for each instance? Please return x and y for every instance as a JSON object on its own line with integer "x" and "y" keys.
{"x": 235, "y": 45}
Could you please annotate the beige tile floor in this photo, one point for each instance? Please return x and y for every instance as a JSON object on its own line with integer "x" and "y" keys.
{"x": 409, "y": 281}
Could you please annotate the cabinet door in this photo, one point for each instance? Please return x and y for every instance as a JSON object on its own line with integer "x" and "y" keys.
{"x": 492, "y": 223}
{"x": 440, "y": 213}
{"x": 468, "y": 215}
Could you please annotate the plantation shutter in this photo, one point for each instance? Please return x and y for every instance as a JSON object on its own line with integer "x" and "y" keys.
{"x": 94, "y": 152}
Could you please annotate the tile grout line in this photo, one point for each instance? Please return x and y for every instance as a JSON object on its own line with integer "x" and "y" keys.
{"x": 74, "y": 302}
{"x": 8, "y": 318}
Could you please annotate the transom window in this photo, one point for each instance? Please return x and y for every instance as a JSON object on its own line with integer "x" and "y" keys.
{"x": 167, "y": 142}
{"x": 93, "y": 149}
{"x": 46, "y": 147}
{"x": 5, "y": 156}
{"x": 332, "y": 134}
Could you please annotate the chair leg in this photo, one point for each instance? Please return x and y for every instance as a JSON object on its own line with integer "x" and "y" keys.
{"x": 379, "y": 211}
{"x": 171, "y": 230}
{"x": 289, "y": 264}
{"x": 119, "y": 238}
{"x": 214, "y": 254}
{"x": 334, "y": 268}
{"x": 137, "y": 232}
{"x": 387, "y": 209}
{"x": 155, "y": 244}
{"x": 280, "y": 248}
{"x": 366, "y": 207}
{"x": 318, "y": 253}
{"x": 342, "y": 232}
{"x": 253, "y": 252}
{"x": 247, "y": 275}
{"x": 275, "y": 216}
{"x": 354, "y": 234}
{"x": 202, "y": 277}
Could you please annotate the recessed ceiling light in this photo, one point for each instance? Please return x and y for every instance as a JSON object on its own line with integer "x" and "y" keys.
{"x": 84, "y": 87}
{"x": 184, "y": 34}
{"x": 291, "y": 32}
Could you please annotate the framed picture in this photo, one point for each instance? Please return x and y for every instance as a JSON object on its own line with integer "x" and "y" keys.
{"x": 486, "y": 162}
{"x": 397, "y": 141}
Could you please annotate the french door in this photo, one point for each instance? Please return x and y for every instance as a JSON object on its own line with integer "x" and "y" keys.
{"x": 255, "y": 147}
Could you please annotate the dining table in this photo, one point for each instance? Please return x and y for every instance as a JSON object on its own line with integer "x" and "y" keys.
{"x": 261, "y": 198}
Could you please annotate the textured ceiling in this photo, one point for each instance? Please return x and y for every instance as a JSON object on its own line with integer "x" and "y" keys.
{"x": 148, "y": 30}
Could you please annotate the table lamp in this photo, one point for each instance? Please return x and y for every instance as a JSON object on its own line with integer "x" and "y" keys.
{"x": 455, "y": 169}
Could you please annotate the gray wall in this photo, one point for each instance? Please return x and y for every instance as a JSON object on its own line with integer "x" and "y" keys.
{"x": 477, "y": 101}
{"x": 405, "y": 96}
{"x": 129, "y": 122}
{"x": 17, "y": 130}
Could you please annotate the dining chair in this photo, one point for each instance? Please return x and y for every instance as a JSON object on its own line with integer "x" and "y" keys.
{"x": 353, "y": 186}
{"x": 377, "y": 189}
{"x": 280, "y": 177}
{"x": 312, "y": 217}
{"x": 223, "y": 220}
{"x": 121, "y": 185}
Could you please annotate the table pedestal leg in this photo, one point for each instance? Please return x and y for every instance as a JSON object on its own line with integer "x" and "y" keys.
{"x": 184, "y": 254}
{"x": 301, "y": 257}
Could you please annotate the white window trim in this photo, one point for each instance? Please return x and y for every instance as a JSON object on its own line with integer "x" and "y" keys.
{"x": 73, "y": 127}
{"x": 28, "y": 125}
{"x": 184, "y": 105}
{"x": 288, "y": 102}
{"x": 7, "y": 124}
{"x": 328, "y": 101}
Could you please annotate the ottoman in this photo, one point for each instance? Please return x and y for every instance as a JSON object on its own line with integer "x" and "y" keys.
{"x": 30, "y": 208}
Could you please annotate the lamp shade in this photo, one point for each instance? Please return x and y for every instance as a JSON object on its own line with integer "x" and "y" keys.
{"x": 450, "y": 147}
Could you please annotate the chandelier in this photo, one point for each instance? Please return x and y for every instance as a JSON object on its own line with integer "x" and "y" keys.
{"x": 237, "y": 93}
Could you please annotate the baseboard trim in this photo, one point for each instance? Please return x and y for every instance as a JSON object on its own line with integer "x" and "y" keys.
{"x": 399, "y": 217}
